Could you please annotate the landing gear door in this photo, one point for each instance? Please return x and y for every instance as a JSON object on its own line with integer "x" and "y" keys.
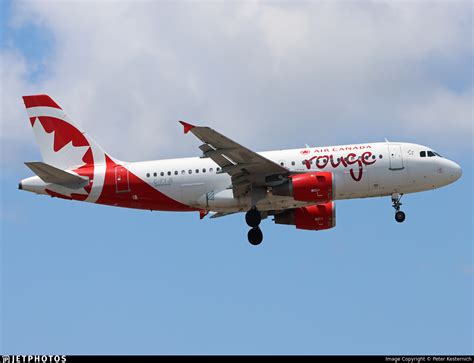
{"x": 395, "y": 156}
{"x": 121, "y": 179}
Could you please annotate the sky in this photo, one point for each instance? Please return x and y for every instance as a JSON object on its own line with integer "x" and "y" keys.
{"x": 78, "y": 278}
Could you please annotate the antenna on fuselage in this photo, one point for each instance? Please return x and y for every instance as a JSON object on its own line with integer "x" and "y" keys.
{"x": 386, "y": 139}
{"x": 307, "y": 146}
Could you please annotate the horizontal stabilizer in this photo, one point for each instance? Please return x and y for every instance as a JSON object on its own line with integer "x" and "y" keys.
{"x": 51, "y": 174}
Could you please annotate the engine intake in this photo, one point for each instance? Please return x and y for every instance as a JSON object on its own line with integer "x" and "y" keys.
{"x": 308, "y": 187}
{"x": 314, "y": 217}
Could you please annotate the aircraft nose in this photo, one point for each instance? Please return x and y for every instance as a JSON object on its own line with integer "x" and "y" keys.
{"x": 454, "y": 170}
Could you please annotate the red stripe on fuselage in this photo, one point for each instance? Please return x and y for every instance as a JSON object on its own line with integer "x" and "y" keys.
{"x": 74, "y": 196}
{"x": 139, "y": 196}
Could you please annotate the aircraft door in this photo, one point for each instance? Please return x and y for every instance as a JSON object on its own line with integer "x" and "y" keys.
{"x": 395, "y": 157}
{"x": 121, "y": 179}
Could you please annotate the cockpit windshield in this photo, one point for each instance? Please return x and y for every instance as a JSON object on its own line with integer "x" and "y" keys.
{"x": 429, "y": 153}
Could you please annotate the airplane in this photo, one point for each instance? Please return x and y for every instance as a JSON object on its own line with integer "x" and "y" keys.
{"x": 297, "y": 187}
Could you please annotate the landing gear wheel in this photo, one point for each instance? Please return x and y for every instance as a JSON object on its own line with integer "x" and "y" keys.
{"x": 399, "y": 216}
{"x": 253, "y": 217}
{"x": 255, "y": 236}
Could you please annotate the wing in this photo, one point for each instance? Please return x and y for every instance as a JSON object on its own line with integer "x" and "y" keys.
{"x": 246, "y": 168}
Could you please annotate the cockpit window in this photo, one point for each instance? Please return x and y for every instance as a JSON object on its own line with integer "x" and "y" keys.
{"x": 429, "y": 153}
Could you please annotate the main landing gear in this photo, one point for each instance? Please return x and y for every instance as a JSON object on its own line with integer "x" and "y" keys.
{"x": 399, "y": 215}
{"x": 253, "y": 219}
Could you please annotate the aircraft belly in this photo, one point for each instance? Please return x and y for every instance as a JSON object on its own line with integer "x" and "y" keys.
{"x": 191, "y": 192}
{"x": 224, "y": 201}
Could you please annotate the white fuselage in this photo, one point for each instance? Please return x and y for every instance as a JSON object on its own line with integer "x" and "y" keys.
{"x": 390, "y": 168}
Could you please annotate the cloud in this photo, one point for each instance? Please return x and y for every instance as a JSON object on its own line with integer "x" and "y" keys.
{"x": 269, "y": 75}
{"x": 13, "y": 72}
{"x": 440, "y": 111}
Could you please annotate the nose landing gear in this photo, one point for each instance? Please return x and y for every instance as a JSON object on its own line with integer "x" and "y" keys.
{"x": 399, "y": 215}
{"x": 253, "y": 219}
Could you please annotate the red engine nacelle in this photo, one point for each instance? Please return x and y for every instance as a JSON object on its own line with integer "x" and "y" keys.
{"x": 315, "y": 217}
{"x": 308, "y": 187}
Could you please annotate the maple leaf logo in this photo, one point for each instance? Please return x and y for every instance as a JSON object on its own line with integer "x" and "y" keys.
{"x": 66, "y": 148}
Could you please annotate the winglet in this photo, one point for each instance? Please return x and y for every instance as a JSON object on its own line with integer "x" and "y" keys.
{"x": 187, "y": 127}
{"x": 203, "y": 213}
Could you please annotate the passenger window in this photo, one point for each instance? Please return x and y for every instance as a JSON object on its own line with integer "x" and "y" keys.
{"x": 169, "y": 173}
{"x": 204, "y": 170}
{"x": 147, "y": 175}
{"x": 162, "y": 174}
{"x": 218, "y": 169}
{"x": 197, "y": 171}
{"x": 190, "y": 171}
{"x": 211, "y": 170}
{"x": 373, "y": 157}
{"x": 176, "y": 172}
{"x": 380, "y": 156}
{"x": 422, "y": 154}
{"x": 293, "y": 163}
{"x": 155, "y": 174}
{"x": 183, "y": 172}
{"x": 430, "y": 154}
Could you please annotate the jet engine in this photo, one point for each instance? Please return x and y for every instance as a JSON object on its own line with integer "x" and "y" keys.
{"x": 308, "y": 187}
{"x": 314, "y": 217}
